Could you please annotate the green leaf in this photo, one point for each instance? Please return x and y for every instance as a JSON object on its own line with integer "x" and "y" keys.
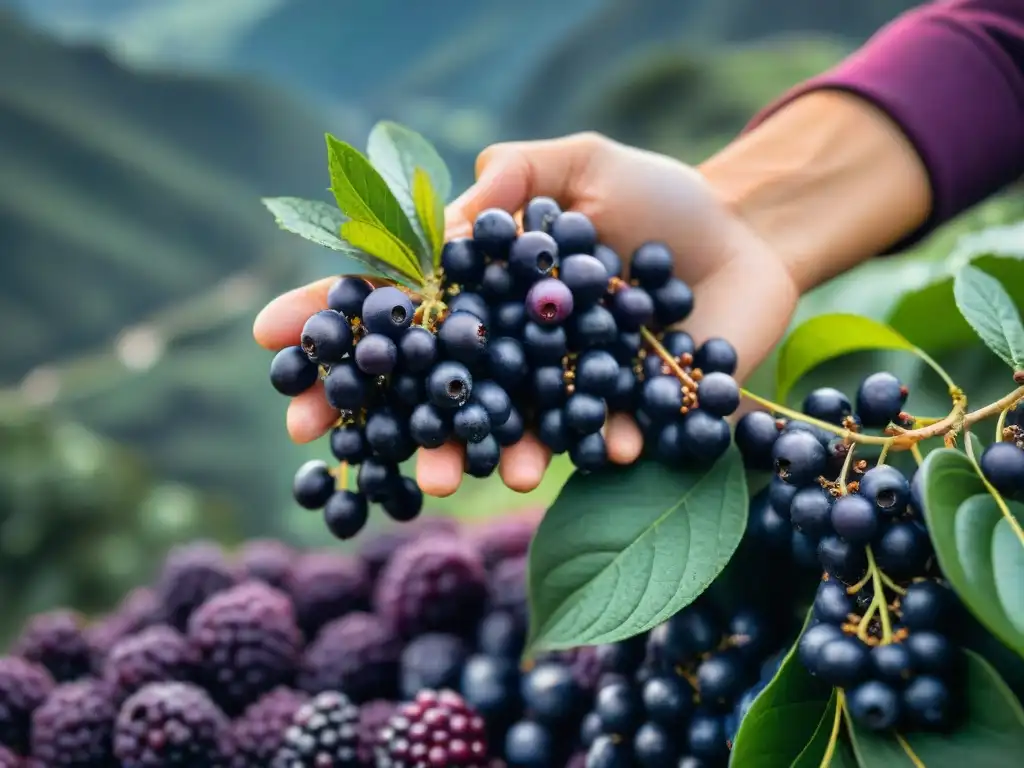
{"x": 397, "y": 153}
{"x": 430, "y": 214}
{"x": 622, "y": 551}
{"x": 991, "y": 735}
{"x": 813, "y": 755}
{"x": 372, "y": 238}
{"x": 825, "y": 337}
{"x": 975, "y": 544}
{"x": 785, "y": 719}
{"x": 988, "y": 308}
{"x": 363, "y": 195}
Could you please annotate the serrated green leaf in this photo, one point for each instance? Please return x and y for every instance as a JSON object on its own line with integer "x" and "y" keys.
{"x": 620, "y": 552}
{"x": 321, "y": 223}
{"x": 363, "y": 195}
{"x": 783, "y": 723}
{"x": 990, "y": 736}
{"x": 990, "y": 311}
{"x": 397, "y": 153}
{"x": 976, "y": 546}
{"x": 385, "y": 247}
{"x": 430, "y": 213}
{"x": 825, "y": 337}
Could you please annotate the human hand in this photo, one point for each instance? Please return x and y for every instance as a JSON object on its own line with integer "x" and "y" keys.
{"x": 742, "y": 290}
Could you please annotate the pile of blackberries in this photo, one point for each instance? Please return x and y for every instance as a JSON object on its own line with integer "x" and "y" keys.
{"x": 406, "y": 654}
{"x": 522, "y": 330}
{"x": 881, "y": 617}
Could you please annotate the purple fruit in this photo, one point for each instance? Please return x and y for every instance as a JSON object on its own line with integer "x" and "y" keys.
{"x": 549, "y": 302}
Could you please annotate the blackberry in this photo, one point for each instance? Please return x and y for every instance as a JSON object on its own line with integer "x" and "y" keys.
{"x": 437, "y": 728}
{"x": 323, "y": 732}
{"x": 377, "y": 550}
{"x": 358, "y": 654}
{"x": 24, "y": 686}
{"x": 156, "y": 654}
{"x": 324, "y": 586}
{"x": 504, "y": 537}
{"x": 436, "y": 584}
{"x": 136, "y": 611}
{"x": 191, "y": 574}
{"x": 8, "y": 759}
{"x": 56, "y": 640}
{"x": 507, "y": 586}
{"x": 267, "y": 560}
{"x": 373, "y": 716}
{"x": 432, "y": 661}
{"x": 258, "y": 734}
{"x": 165, "y": 724}
{"x": 75, "y": 726}
{"x": 248, "y": 643}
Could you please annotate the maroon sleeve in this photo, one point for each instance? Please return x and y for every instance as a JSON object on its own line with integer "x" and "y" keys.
{"x": 951, "y": 75}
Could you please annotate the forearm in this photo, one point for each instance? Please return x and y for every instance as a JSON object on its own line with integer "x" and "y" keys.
{"x": 827, "y": 182}
{"x": 924, "y": 121}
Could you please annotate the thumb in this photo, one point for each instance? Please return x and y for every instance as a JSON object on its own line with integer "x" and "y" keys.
{"x": 510, "y": 174}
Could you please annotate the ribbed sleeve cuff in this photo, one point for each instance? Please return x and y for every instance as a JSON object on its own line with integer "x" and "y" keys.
{"x": 954, "y": 91}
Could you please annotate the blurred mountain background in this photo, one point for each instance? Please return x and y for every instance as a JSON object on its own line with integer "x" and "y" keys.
{"x": 136, "y": 138}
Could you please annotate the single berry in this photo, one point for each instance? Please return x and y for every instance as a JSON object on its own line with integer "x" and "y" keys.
{"x": 266, "y": 560}
{"x": 655, "y": 746}
{"x": 781, "y": 496}
{"x": 813, "y": 640}
{"x": 887, "y": 488}
{"x": 931, "y": 653}
{"x": 673, "y": 303}
{"x": 377, "y": 479}
{"x": 842, "y": 559}
{"x": 716, "y": 355}
{"x": 832, "y": 603}
{"x": 810, "y": 511}
{"x": 494, "y": 231}
{"x": 56, "y": 641}
{"x": 373, "y": 715}
{"x": 74, "y": 727}
{"x": 844, "y": 661}
{"x": 494, "y": 399}
{"x": 508, "y": 319}
{"x": 544, "y": 345}
{"x": 313, "y": 484}
{"x": 574, "y": 233}
{"x": 681, "y": 639}
{"x": 405, "y": 502}
{"x": 258, "y": 734}
{"x": 828, "y": 404}
{"x": 903, "y": 549}
{"x": 927, "y": 605}
{"x": 449, "y": 385}
{"x": 165, "y": 724}
{"x": 24, "y": 686}
{"x": 767, "y": 527}
{"x": 854, "y": 518}
{"x": 429, "y": 427}
{"x": 549, "y": 302}
{"x": 345, "y": 514}
{"x": 662, "y": 397}
{"x": 490, "y": 684}
{"x": 798, "y": 457}
{"x": 345, "y": 387}
{"x": 437, "y": 728}
{"x": 387, "y": 434}
{"x": 530, "y": 745}
{"x": 720, "y": 680}
{"x": 880, "y": 398}
{"x": 471, "y": 423}
{"x": 1003, "y": 465}
{"x": 483, "y": 456}
{"x": 507, "y": 362}
{"x": 589, "y": 453}
{"x": 620, "y": 708}
{"x": 718, "y": 394}
{"x": 326, "y": 337}
{"x": 610, "y": 259}
{"x": 597, "y": 373}
{"x": 752, "y": 634}
{"x": 707, "y": 738}
{"x": 609, "y": 752}
{"x": 462, "y": 337}
{"x": 593, "y": 327}
{"x": 705, "y": 437}
{"x": 551, "y": 693}
{"x": 471, "y": 302}
{"x": 496, "y": 285}
{"x": 324, "y": 585}
{"x": 540, "y": 213}
{"x": 347, "y": 296}
{"x": 533, "y": 255}
{"x": 292, "y": 372}
{"x": 388, "y": 311}
{"x": 652, "y": 264}
{"x": 874, "y": 705}
{"x": 358, "y": 654}
{"x": 756, "y": 433}
{"x": 323, "y": 732}
{"x": 432, "y": 661}
{"x": 928, "y": 702}
{"x": 586, "y": 277}
{"x": 633, "y": 308}
{"x": 891, "y": 663}
{"x": 668, "y": 700}
{"x": 584, "y": 414}
{"x": 376, "y": 354}
{"x": 461, "y": 263}
{"x": 157, "y": 654}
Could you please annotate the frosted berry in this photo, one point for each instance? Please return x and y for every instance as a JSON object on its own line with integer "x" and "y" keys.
{"x": 323, "y": 732}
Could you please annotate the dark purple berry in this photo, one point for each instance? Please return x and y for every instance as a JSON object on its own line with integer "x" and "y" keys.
{"x": 813, "y": 640}
{"x": 24, "y": 686}
{"x": 716, "y": 355}
{"x": 326, "y": 337}
{"x": 313, "y": 484}
{"x": 891, "y": 663}
{"x": 494, "y": 231}
{"x": 720, "y": 680}
{"x": 345, "y": 387}
{"x": 497, "y": 285}
{"x": 927, "y": 605}
{"x": 931, "y": 653}
{"x": 428, "y": 426}
{"x": 358, "y": 654}
{"x": 471, "y": 423}
{"x": 405, "y": 502}
{"x": 593, "y": 327}
{"x": 345, "y": 514}
{"x": 157, "y": 654}
{"x": 811, "y": 511}
{"x": 798, "y": 457}
{"x": 324, "y": 585}
{"x": 842, "y": 559}
{"x": 610, "y": 259}
{"x": 551, "y": 693}
{"x": 887, "y": 488}
{"x": 844, "y": 661}
{"x": 292, "y": 372}
{"x": 377, "y": 478}
{"x": 632, "y": 307}
{"x": 662, "y": 397}
{"x": 511, "y": 431}
{"x": 431, "y": 661}
{"x": 854, "y": 518}
{"x": 74, "y": 727}
{"x": 827, "y": 404}
{"x": 756, "y": 433}
{"x": 652, "y": 264}
{"x": 1003, "y": 464}
{"x": 619, "y": 708}
{"x": 483, "y": 456}
{"x": 874, "y": 705}
{"x": 507, "y": 362}
{"x": 435, "y": 729}
{"x": 259, "y": 732}
{"x": 586, "y": 277}
{"x": 533, "y": 255}
{"x": 539, "y": 214}
{"x": 508, "y": 319}
{"x": 718, "y": 394}
{"x": 553, "y": 432}
{"x": 928, "y": 702}
{"x": 449, "y": 385}
{"x": 574, "y": 233}
{"x": 376, "y": 354}
{"x": 417, "y": 350}
{"x": 880, "y": 398}
{"x": 387, "y": 311}
{"x": 473, "y": 303}
{"x": 347, "y": 296}
{"x": 463, "y": 337}
{"x": 549, "y": 302}
{"x": 544, "y": 345}
{"x": 832, "y": 603}
{"x": 461, "y": 263}
{"x": 324, "y": 731}
{"x": 903, "y": 549}
{"x": 590, "y": 453}
{"x": 495, "y": 401}
{"x": 348, "y": 443}
{"x": 584, "y": 414}
{"x": 673, "y": 302}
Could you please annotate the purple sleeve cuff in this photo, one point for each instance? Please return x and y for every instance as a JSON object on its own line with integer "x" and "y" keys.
{"x": 951, "y": 76}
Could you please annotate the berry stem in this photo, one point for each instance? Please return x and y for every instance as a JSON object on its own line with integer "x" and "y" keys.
{"x": 855, "y": 588}
{"x": 915, "y": 451}
{"x": 341, "y": 476}
{"x": 1000, "y": 422}
{"x": 891, "y": 584}
{"x": 884, "y": 454}
{"x": 660, "y": 351}
{"x": 1004, "y": 509}
{"x": 833, "y": 739}
{"x": 904, "y": 439}
{"x": 845, "y": 471}
{"x": 878, "y": 598}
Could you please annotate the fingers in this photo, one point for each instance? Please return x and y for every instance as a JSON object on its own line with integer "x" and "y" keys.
{"x": 310, "y": 415}
{"x": 523, "y": 465}
{"x": 509, "y": 174}
{"x": 279, "y": 324}
{"x": 623, "y": 438}
{"x": 439, "y": 470}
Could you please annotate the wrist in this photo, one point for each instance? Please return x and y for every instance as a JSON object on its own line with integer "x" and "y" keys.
{"x": 826, "y": 182}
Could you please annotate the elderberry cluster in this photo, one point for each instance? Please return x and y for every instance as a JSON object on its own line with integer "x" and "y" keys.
{"x": 522, "y": 330}
{"x": 880, "y": 616}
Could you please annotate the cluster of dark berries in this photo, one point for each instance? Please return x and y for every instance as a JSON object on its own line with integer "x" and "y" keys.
{"x": 881, "y": 615}
{"x": 406, "y": 654}
{"x": 1002, "y": 462}
{"x": 522, "y": 330}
